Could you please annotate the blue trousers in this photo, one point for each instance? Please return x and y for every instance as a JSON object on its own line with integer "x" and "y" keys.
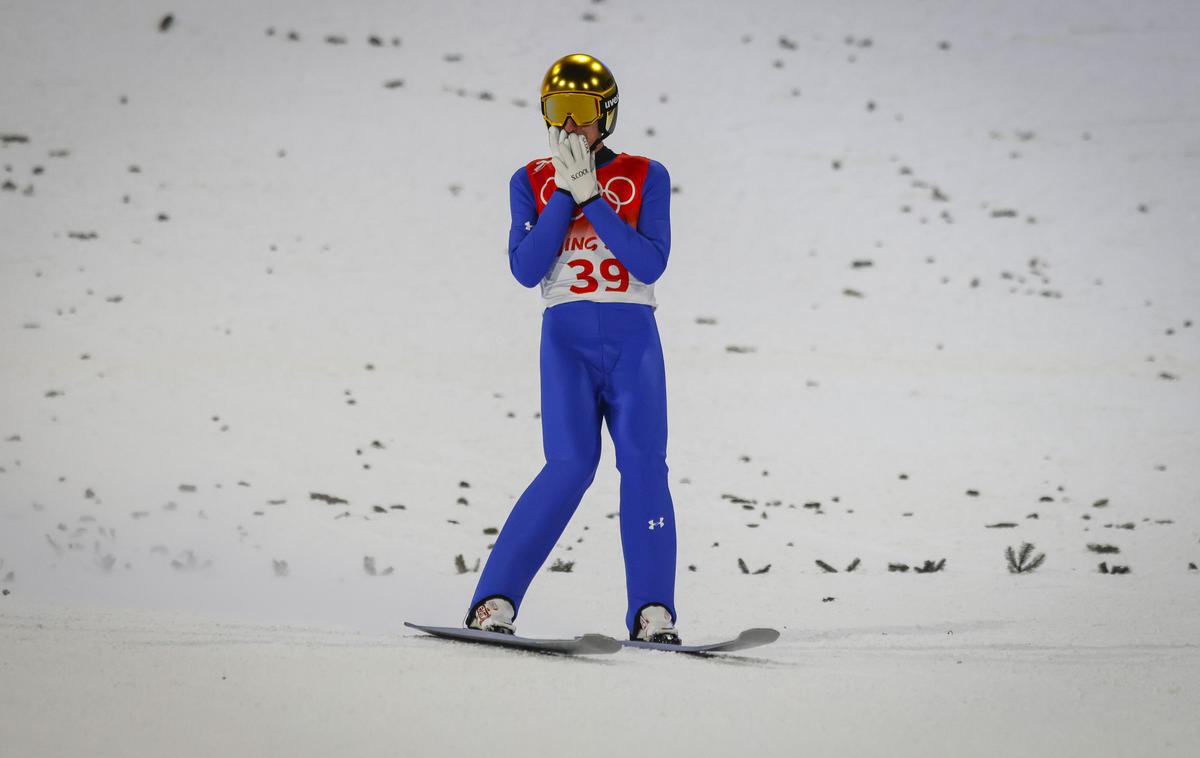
{"x": 598, "y": 361}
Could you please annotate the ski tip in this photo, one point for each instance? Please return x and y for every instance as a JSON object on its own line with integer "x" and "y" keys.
{"x": 764, "y": 634}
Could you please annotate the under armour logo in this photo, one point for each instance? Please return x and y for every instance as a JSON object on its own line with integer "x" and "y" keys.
{"x": 529, "y": 226}
{"x": 653, "y": 523}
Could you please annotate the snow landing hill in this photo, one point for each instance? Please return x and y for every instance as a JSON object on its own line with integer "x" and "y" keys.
{"x": 267, "y": 387}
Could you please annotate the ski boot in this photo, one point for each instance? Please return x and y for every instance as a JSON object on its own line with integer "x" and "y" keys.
{"x": 493, "y": 615}
{"x": 654, "y": 625}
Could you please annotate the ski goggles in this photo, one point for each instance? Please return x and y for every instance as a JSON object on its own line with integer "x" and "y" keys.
{"x": 583, "y": 108}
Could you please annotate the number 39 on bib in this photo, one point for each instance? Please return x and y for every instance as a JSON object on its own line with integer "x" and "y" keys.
{"x": 585, "y": 268}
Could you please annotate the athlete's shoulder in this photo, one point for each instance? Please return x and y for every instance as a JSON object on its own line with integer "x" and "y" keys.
{"x": 656, "y": 173}
{"x": 652, "y": 166}
{"x": 636, "y": 157}
{"x": 537, "y": 165}
{"x": 521, "y": 177}
{"x": 633, "y": 157}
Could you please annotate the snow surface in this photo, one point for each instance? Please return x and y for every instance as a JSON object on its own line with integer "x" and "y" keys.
{"x": 297, "y": 284}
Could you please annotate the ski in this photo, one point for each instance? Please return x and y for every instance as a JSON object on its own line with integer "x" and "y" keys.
{"x": 747, "y": 639}
{"x": 588, "y": 644}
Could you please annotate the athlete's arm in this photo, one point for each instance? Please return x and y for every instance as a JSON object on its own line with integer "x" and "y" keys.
{"x": 644, "y": 250}
{"x": 533, "y": 241}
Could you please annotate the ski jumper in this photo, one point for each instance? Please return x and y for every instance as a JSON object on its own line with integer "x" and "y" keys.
{"x": 601, "y": 359}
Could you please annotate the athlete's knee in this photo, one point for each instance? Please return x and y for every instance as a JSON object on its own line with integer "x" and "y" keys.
{"x": 650, "y": 465}
{"x": 578, "y": 471}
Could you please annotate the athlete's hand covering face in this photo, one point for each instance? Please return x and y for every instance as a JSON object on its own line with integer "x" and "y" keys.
{"x": 574, "y": 165}
{"x": 557, "y": 137}
{"x": 558, "y": 140}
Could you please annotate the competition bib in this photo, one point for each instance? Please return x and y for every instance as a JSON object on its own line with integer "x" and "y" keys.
{"x": 585, "y": 269}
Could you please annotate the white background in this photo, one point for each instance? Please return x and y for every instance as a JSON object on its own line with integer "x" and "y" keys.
{"x": 330, "y": 272}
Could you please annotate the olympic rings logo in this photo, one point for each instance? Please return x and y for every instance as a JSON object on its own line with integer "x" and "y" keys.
{"x": 613, "y": 198}
{"x": 607, "y": 191}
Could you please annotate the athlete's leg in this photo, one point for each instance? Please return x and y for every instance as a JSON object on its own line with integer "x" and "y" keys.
{"x": 571, "y": 441}
{"x": 635, "y": 408}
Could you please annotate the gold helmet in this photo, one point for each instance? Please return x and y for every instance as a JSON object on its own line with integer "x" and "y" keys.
{"x": 582, "y": 88}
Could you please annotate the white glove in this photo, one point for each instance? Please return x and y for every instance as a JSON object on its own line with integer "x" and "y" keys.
{"x": 558, "y": 145}
{"x": 574, "y": 165}
{"x": 556, "y": 135}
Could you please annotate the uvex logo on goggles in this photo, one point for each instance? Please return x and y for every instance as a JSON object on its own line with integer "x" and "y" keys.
{"x": 583, "y": 108}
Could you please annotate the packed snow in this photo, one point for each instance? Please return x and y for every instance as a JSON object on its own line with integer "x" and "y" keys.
{"x": 269, "y": 387}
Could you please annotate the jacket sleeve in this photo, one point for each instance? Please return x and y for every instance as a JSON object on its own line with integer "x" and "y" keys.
{"x": 534, "y": 241}
{"x": 644, "y": 250}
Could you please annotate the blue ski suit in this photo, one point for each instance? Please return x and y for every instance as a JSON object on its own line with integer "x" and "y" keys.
{"x": 601, "y": 359}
